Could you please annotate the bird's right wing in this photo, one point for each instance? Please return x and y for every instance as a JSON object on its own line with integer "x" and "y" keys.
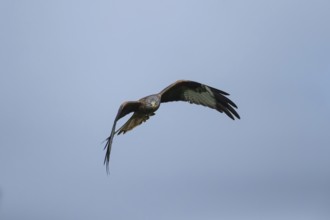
{"x": 124, "y": 109}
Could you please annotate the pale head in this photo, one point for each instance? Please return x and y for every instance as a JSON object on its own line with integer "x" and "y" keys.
{"x": 152, "y": 101}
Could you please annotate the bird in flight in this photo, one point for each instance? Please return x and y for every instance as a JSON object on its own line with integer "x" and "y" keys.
{"x": 181, "y": 90}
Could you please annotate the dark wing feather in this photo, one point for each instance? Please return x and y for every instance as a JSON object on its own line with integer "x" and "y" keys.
{"x": 124, "y": 109}
{"x": 197, "y": 93}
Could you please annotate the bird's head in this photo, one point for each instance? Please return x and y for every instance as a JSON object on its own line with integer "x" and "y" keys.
{"x": 153, "y": 102}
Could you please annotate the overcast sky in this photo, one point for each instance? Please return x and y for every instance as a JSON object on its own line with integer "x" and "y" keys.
{"x": 66, "y": 66}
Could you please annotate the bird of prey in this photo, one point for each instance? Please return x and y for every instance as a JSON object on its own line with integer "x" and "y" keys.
{"x": 181, "y": 90}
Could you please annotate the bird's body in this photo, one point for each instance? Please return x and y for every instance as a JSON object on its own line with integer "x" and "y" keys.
{"x": 152, "y": 103}
{"x": 181, "y": 90}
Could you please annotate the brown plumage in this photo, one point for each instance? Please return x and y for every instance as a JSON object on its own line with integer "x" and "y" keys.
{"x": 181, "y": 90}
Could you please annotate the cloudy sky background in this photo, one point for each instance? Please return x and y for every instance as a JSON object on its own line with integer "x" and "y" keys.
{"x": 66, "y": 66}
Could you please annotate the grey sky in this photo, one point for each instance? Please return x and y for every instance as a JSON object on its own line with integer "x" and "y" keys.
{"x": 66, "y": 66}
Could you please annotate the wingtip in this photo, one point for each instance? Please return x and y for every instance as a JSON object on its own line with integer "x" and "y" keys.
{"x": 107, "y": 147}
{"x": 235, "y": 114}
{"x": 107, "y": 169}
{"x": 232, "y": 115}
{"x": 106, "y": 163}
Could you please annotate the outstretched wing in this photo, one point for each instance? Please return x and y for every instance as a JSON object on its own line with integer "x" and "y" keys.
{"x": 197, "y": 93}
{"x": 124, "y": 109}
{"x": 136, "y": 119}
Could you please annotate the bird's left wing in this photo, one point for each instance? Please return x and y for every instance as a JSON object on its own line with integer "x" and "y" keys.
{"x": 197, "y": 93}
{"x": 124, "y": 109}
